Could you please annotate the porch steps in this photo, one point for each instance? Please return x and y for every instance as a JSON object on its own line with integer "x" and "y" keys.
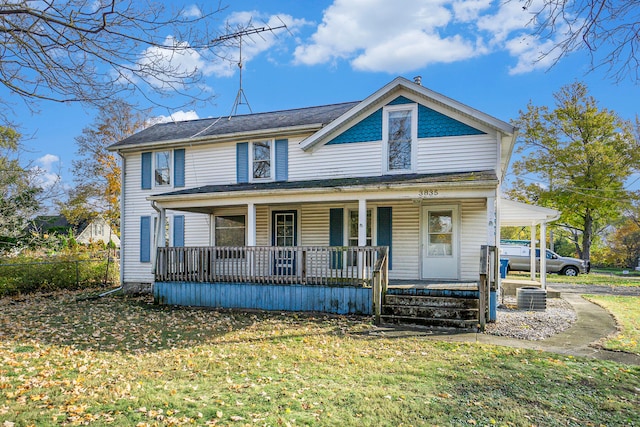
{"x": 431, "y": 310}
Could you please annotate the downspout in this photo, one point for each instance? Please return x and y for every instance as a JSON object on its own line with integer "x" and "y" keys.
{"x": 122, "y": 202}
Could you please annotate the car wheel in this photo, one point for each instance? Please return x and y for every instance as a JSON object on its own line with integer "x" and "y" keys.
{"x": 570, "y": 271}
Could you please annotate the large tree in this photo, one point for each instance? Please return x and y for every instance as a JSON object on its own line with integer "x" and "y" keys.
{"x": 608, "y": 29}
{"x": 92, "y": 50}
{"x": 97, "y": 171}
{"x": 18, "y": 194}
{"x": 576, "y": 158}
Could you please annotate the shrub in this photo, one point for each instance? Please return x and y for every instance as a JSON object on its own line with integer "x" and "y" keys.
{"x": 74, "y": 270}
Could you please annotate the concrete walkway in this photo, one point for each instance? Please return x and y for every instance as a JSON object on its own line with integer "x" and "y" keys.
{"x": 593, "y": 323}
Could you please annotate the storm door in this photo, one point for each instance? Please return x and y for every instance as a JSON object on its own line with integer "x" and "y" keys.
{"x": 440, "y": 242}
{"x": 284, "y": 234}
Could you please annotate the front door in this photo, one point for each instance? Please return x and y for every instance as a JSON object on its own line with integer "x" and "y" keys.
{"x": 440, "y": 242}
{"x": 284, "y": 233}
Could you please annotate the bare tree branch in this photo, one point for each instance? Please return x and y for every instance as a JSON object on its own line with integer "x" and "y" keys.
{"x": 90, "y": 51}
{"x": 608, "y": 29}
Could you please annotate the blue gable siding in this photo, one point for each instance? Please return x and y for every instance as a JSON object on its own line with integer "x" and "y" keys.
{"x": 369, "y": 129}
{"x": 431, "y": 124}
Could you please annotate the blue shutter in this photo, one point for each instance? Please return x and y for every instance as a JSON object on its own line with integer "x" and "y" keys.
{"x": 282, "y": 159}
{"x": 384, "y": 229}
{"x": 178, "y": 168}
{"x": 336, "y": 234}
{"x": 145, "y": 239}
{"x": 242, "y": 162}
{"x": 146, "y": 171}
{"x": 178, "y": 230}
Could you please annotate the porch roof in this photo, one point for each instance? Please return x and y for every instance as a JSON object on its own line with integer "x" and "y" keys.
{"x": 383, "y": 181}
{"x": 514, "y": 213}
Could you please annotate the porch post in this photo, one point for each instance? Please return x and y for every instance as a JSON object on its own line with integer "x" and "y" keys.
{"x": 362, "y": 234}
{"x": 251, "y": 235}
{"x": 543, "y": 255}
{"x": 251, "y": 224}
{"x": 160, "y": 236}
{"x": 532, "y": 253}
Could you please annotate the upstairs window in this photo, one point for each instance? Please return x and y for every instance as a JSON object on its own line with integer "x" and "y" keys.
{"x": 262, "y": 159}
{"x": 162, "y": 172}
{"x": 400, "y": 134}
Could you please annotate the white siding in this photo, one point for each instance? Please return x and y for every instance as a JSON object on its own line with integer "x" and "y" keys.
{"x": 210, "y": 164}
{"x": 334, "y": 161}
{"x": 405, "y": 241}
{"x": 457, "y": 154}
{"x": 473, "y": 234}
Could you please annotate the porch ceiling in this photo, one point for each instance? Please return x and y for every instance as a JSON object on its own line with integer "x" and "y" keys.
{"x": 391, "y": 185}
{"x": 514, "y": 213}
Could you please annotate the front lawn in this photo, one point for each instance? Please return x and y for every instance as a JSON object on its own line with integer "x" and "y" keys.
{"x": 119, "y": 361}
{"x": 626, "y": 311}
{"x": 604, "y": 278}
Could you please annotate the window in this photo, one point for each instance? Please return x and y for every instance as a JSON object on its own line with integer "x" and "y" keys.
{"x": 440, "y": 233}
{"x": 163, "y": 168}
{"x": 353, "y": 228}
{"x": 261, "y": 156}
{"x": 353, "y": 234}
{"x": 400, "y": 132}
{"x": 97, "y": 229}
{"x": 230, "y": 230}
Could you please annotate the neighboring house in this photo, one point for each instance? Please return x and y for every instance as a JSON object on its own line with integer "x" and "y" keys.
{"x": 97, "y": 230}
{"x": 406, "y": 168}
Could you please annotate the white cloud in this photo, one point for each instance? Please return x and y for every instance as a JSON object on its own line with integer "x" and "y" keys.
{"x": 178, "y": 116}
{"x": 46, "y": 171}
{"x": 469, "y": 10}
{"x": 532, "y": 54}
{"x": 380, "y": 35}
{"x": 192, "y": 11}
{"x": 160, "y": 63}
{"x": 405, "y": 35}
{"x": 255, "y": 44}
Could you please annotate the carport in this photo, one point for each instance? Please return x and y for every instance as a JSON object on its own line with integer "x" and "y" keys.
{"x": 519, "y": 214}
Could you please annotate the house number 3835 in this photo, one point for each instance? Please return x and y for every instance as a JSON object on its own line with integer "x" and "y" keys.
{"x": 428, "y": 193}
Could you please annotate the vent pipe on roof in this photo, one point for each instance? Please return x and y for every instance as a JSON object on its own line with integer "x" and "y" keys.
{"x": 418, "y": 80}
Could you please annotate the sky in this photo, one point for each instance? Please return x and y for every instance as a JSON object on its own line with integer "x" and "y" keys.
{"x": 478, "y": 52}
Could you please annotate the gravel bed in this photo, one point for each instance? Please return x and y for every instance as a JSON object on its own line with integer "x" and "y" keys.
{"x": 532, "y": 325}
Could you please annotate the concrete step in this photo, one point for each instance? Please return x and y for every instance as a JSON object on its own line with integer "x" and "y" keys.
{"x": 431, "y": 301}
{"x": 446, "y": 323}
{"x": 430, "y": 312}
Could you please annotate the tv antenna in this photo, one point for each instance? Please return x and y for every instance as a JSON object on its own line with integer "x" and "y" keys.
{"x": 241, "y": 98}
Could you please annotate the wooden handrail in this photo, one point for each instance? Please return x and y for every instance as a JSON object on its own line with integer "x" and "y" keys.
{"x": 380, "y": 283}
{"x": 311, "y": 265}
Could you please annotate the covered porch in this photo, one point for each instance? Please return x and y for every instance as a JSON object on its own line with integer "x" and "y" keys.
{"x": 333, "y": 245}
{"x": 519, "y": 214}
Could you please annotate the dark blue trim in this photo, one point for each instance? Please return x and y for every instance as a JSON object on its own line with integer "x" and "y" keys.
{"x": 385, "y": 230}
{"x": 146, "y": 170}
{"x": 282, "y": 159}
{"x": 145, "y": 239}
{"x": 336, "y": 235}
{"x": 178, "y": 167}
{"x": 178, "y": 230}
{"x": 242, "y": 162}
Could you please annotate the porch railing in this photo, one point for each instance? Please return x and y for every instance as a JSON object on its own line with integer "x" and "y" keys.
{"x": 489, "y": 272}
{"x": 309, "y": 265}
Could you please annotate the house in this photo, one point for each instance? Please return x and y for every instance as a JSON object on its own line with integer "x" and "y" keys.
{"x": 96, "y": 230}
{"x": 304, "y": 209}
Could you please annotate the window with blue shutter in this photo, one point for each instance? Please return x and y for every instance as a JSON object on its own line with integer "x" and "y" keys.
{"x": 178, "y": 168}
{"x": 178, "y": 230}
{"x": 384, "y": 225}
{"x": 336, "y": 235}
{"x": 242, "y": 162}
{"x": 146, "y": 170}
{"x": 282, "y": 159}
{"x": 145, "y": 239}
